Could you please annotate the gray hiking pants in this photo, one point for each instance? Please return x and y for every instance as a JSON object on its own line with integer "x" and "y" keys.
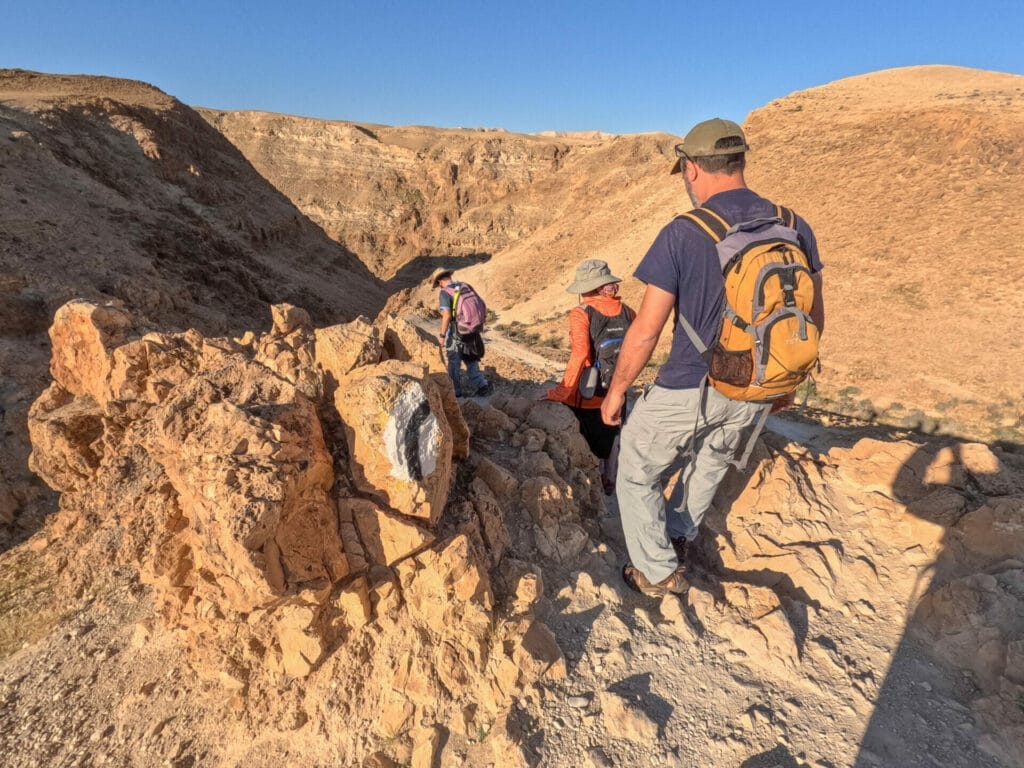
{"x": 654, "y": 441}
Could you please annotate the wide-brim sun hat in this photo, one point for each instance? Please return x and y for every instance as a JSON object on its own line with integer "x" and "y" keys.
{"x": 440, "y": 272}
{"x": 591, "y": 275}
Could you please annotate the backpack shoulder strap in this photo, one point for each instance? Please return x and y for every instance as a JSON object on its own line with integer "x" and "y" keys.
{"x": 787, "y": 216}
{"x": 709, "y": 222}
{"x": 592, "y": 316}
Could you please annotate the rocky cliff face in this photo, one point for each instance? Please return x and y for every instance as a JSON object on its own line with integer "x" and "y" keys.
{"x": 393, "y": 194}
{"x": 113, "y": 190}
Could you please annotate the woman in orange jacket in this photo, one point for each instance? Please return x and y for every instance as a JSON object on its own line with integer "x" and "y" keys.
{"x": 601, "y": 311}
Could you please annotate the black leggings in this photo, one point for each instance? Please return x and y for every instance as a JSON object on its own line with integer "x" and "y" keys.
{"x": 599, "y": 436}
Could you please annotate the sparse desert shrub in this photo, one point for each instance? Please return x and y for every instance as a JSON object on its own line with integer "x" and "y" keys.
{"x": 807, "y": 391}
{"x": 865, "y": 410}
{"x": 909, "y": 294}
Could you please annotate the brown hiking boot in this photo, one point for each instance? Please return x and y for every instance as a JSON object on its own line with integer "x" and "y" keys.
{"x": 675, "y": 583}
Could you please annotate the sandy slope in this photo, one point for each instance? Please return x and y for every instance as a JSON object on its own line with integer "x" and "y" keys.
{"x": 910, "y": 177}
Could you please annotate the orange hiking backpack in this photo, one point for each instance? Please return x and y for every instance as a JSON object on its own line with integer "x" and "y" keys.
{"x": 768, "y": 342}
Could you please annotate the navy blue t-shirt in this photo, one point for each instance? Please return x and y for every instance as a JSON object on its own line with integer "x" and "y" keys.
{"x": 683, "y": 261}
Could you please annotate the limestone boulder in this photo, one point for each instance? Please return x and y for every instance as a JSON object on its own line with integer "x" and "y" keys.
{"x": 83, "y": 337}
{"x": 287, "y": 318}
{"x": 409, "y": 343}
{"x": 289, "y": 350}
{"x": 488, "y": 422}
{"x": 564, "y": 443}
{"x": 398, "y": 437}
{"x": 66, "y": 434}
{"x": 245, "y": 452}
{"x": 147, "y": 369}
{"x": 503, "y": 484}
{"x": 340, "y": 349}
{"x": 386, "y": 537}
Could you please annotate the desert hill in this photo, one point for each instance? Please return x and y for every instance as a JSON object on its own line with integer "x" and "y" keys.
{"x": 281, "y": 539}
{"x": 908, "y": 176}
{"x": 114, "y": 191}
{"x": 911, "y": 178}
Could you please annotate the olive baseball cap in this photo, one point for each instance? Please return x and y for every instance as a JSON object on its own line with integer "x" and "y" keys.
{"x": 701, "y": 140}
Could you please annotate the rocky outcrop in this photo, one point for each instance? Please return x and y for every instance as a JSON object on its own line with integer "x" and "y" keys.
{"x": 287, "y": 497}
{"x": 114, "y": 191}
{"x": 872, "y": 533}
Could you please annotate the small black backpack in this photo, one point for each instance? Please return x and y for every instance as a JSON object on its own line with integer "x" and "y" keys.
{"x": 606, "y": 335}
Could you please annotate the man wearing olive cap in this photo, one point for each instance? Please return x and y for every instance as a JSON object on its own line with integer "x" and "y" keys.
{"x": 684, "y": 278}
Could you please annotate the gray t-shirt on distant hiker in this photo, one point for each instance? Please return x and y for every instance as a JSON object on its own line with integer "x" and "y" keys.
{"x": 683, "y": 261}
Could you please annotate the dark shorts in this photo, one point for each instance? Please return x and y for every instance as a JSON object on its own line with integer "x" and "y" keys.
{"x": 599, "y": 436}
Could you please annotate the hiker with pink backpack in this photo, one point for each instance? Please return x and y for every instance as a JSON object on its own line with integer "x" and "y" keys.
{"x": 463, "y": 313}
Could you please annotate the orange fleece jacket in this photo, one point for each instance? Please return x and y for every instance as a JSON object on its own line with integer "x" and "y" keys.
{"x": 579, "y": 350}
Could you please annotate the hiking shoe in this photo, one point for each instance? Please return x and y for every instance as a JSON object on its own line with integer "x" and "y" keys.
{"x": 674, "y": 583}
{"x": 679, "y": 544}
{"x": 485, "y": 390}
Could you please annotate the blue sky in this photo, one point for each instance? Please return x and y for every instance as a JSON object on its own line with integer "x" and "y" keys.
{"x": 525, "y": 66}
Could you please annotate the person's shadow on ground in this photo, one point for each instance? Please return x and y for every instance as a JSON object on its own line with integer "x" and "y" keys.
{"x": 919, "y": 716}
